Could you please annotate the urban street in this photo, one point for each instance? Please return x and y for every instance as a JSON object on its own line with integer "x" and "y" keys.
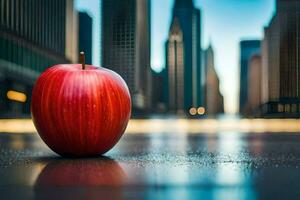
{"x": 149, "y": 99}
{"x": 163, "y": 164}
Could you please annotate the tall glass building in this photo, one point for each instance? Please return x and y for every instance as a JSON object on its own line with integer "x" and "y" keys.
{"x": 126, "y": 46}
{"x": 34, "y": 35}
{"x": 214, "y": 101}
{"x": 248, "y": 48}
{"x": 183, "y": 59}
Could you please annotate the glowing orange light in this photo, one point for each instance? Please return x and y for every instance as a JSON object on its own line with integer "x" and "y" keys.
{"x": 201, "y": 111}
{"x": 193, "y": 111}
{"x": 191, "y": 126}
{"x": 16, "y": 96}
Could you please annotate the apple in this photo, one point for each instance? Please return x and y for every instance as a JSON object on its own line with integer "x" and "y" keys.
{"x": 79, "y": 109}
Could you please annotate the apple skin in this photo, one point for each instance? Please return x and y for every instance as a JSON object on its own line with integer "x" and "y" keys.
{"x": 80, "y": 112}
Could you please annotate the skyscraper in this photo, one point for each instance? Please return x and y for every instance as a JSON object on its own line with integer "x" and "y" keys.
{"x": 281, "y": 85}
{"x": 85, "y": 35}
{"x": 248, "y": 48}
{"x": 33, "y": 36}
{"x": 183, "y": 58}
{"x": 214, "y": 103}
{"x": 254, "y": 86}
{"x": 126, "y": 46}
{"x": 159, "y": 91}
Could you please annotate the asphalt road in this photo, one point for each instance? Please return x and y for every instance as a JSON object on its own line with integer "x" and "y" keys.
{"x": 156, "y": 166}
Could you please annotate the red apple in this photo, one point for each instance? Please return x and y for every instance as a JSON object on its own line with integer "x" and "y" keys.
{"x": 80, "y": 110}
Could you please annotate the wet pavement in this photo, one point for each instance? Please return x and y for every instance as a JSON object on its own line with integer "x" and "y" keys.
{"x": 226, "y": 165}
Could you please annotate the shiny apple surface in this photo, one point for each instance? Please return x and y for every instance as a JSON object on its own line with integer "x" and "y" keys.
{"x": 80, "y": 112}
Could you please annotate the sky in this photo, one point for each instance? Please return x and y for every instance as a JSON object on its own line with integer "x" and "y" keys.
{"x": 224, "y": 24}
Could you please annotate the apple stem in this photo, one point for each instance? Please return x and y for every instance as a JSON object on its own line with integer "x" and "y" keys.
{"x": 82, "y": 60}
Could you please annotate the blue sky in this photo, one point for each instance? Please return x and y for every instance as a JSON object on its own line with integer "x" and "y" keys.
{"x": 224, "y": 23}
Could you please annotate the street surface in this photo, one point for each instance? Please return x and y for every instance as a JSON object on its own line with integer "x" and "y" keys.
{"x": 159, "y": 165}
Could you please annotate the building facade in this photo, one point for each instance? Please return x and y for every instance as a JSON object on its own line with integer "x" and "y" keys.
{"x": 254, "y": 86}
{"x": 175, "y": 69}
{"x": 33, "y": 36}
{"x": 214, "y": 101}
{"x": 126, "y": 46}
{"x": 248, "y": 48}
{"x": 281, "y": 86}
{"x": 159, "y": 91}
{"x": 85, "y": 35}
{"x": 183, "y": 58}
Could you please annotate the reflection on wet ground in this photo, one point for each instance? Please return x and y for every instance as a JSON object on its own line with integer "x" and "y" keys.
{"x": 226, "y": 165}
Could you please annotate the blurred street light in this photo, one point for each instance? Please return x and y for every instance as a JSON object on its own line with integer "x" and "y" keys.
{"x": 16, "y": 96}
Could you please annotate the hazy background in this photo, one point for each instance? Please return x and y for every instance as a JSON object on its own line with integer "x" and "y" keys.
{"x": 224, "y": 23}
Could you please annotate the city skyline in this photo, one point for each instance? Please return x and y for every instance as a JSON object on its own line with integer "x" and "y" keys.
{"x": 30, "y": 46}
{"x": 217, "y": 16}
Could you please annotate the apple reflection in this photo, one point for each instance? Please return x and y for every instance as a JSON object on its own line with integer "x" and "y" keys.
{"x": 80, "y": 179}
